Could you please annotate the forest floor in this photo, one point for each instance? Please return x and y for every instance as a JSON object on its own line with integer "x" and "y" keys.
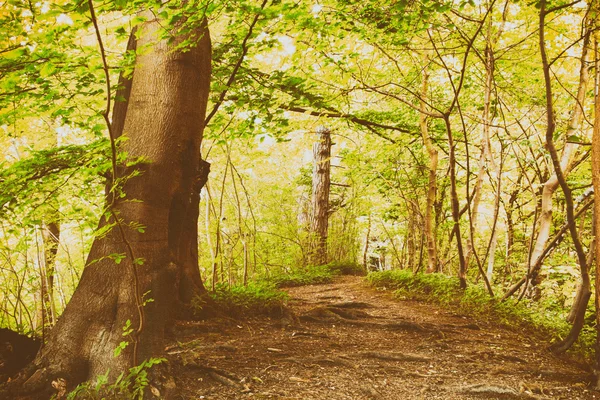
{"x": 346, "y": 340}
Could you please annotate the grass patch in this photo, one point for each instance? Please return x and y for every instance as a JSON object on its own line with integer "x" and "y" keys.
{"x": 550, "y": 322}
{"x": 254, "y": 299}
{"x": 346, "y": 268}
{"x": 263, "y": 297}
{"x": 316, "y": 275}
{"x": 301, "y": 277}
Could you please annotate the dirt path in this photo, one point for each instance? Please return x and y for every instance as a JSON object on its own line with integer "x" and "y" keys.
{"x": 352, "y": 342}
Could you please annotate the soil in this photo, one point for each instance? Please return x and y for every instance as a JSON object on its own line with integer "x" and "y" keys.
{"x": 346, "y": 340}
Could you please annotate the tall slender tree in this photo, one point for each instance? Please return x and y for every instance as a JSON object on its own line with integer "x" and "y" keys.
{"x": 319, "y": 220}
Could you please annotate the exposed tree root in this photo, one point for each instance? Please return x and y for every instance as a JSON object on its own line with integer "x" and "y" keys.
{"x": 497, "y": 392}
{"x": 323, "y": 298}
{"x": 335, "y": 361}
{"x": 407, "y": 326}
{"x": 329, "y": 313}
{"x": 309, "y": 334}
{"x": 219, "y": 375}
{"x": 472, "y": 327}
{"x": 394, "y": 356}
{"x": 371, "y": 393}
{"x": 353, "y": 304}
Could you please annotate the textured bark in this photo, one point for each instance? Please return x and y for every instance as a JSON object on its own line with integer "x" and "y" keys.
{"x": 187, "y": 242}
{"x": 432, "y": 257}
{"x": 163, "y": 123}
{"x": 596, "y": 226}
{"x": 320, "y": 197}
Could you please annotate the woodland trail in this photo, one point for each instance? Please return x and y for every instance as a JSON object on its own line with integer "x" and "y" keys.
{"x": 349, "y": 341}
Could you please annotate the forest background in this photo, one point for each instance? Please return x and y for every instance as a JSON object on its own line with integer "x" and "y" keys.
{"x": 462, "y": 143}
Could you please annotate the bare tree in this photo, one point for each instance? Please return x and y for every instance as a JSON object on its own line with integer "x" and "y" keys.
{"x": 319, "y": 220}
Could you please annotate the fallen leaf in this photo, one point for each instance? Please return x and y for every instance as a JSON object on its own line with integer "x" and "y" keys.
{"x": 155, "y": 391}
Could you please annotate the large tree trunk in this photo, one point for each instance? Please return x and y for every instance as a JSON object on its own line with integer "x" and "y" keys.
{"x": 157, "y": 221}
{"x": 320, "y": 197}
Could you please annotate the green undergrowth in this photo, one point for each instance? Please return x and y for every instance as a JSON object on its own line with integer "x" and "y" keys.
{"x": 547, "y": 322}
{"x": 346, "y": 268}
{"x": 264, "y": 297}
{"x": 256, "y": 298}
{"x": 302, "y": 276}
{"x": 315, "y": 275}
{"x": 130, "y": 386}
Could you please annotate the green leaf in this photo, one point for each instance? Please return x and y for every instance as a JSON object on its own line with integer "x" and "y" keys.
{"x": 122, "y": 346}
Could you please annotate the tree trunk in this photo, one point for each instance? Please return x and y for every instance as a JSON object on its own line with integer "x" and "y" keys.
{"x": 550, "y": 186}
{"x": 487, "y": 119}
{"x": 366, "y": 249}
{"x": 51, "y": 237}
{"x": 410, "y": 237}
{"x": 581, "y": 288}
{"x": 432, "y": 257}
{"x": 157, "y": 221}
{"x": 510, "y": 229}
{"x": 492, "y": 256}
{"x": 320, "y": 197}
{"x": 596, "y": 225}
{"x": 564, "y": 344}
{"x": 218, "y": 253}
{"x": 462, "y": 267}
{"x": 50, "y": 231}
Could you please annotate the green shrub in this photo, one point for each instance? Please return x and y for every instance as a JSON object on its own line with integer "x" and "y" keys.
{"x": 301, "y": 277}
{"x": 441, "y": 289}
{"x": 315, "y": 275}
{"x": 125, "y": 387}
{"x": 253, "y": 299}
{"x": 436, "y": 287}
{"x": 346, "y": 268}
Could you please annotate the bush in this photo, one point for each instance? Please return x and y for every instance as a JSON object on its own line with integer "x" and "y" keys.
{"x": 301, "y": 277}
{"x": 253, "y": 299}
{"x": 475, "y": 300}
{"x": 346, "y": 268}
{"x": 437, "y": 287}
